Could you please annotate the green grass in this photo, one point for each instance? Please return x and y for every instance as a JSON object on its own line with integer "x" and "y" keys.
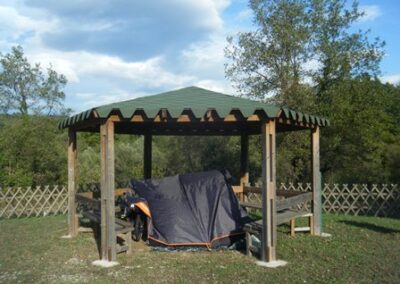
{"x": 361, "y": 250}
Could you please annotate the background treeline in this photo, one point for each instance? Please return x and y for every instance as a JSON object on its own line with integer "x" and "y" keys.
{"x": 305, "y": 54}
{"x": 361, "y": 146}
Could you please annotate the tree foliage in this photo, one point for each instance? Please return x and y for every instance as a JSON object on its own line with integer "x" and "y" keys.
{"x": 305, "y": 54}
{"x": 26, "y": 88}
{"x": 299, "y": 41}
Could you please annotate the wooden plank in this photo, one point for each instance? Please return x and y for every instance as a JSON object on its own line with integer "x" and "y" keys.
{"x": 316, "y": 182}
{"x": 88, "y": 194}
{"x": 294, "y": 200}
{"x": 72, "y": 153}
{"x": 268, "y": 240}
{"x": 93, "y": 204}
{"x": 92, "y": 216}
{"x": 251, "y": 205}
{"x": 122, "y": 248}
{"x": 121, "y": 226}
{"x": 283, "y": 203}
{"x": 252, "y": 189}
{"x": 147, "y": 156}
{"x": 123, "y": 223}
{"x": 237, "y": 189}
{"x": 121, "y": 191}
{"x": 287, "y": 215}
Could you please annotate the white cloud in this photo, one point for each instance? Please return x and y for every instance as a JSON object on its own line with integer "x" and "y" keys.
{"x": 371, "y": 12}
{"x": 14, "y": 25}
{"x": 81, "y": 63}
{"x": 245, "y": 14}
{"x": 133, "y": 30}
{"x": 206, "y": 57}
{"x": 97, "y": 77}
{"x": 393, "y": 79}
{"x": 95, "y": 99}
{"x": 216, "y": 86}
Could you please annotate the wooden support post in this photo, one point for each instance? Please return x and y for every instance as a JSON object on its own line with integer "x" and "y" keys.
{"x": 147, "y": 156}
{"x": 316, "y": 183}
{"x": 72, "y": 216}
{"x": 103, "y": 192}
{"x": 268, "y": 242}
{"x": 108, "y": 236}
{"x": 72, "y": 154}
{"x": 244, "y": 162}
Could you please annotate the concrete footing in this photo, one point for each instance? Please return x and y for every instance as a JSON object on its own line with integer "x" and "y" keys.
{"x": 104, "y": 263}
{"x": 272, "y": 264}
{"x": 66, "y": 237}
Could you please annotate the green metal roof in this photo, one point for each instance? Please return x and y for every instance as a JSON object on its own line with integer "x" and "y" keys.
{"x": 198, "y": 100}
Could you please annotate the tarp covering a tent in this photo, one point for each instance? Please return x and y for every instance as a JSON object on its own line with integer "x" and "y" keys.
{"x": 195, "y": 209}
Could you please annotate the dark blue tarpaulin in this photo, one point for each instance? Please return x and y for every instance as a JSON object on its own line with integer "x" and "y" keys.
{"x": 195, "y": 209}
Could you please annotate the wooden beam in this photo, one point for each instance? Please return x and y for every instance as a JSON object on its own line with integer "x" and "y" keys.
{"x": 147, "y": 156}
{"x": 72, "y": 153}
{"x": 184, "y": 118}
{"x": 254, "y": 117}
{"x": 316, "y": 183}
{"x": 268, "y": 241}
{"x": 108, "y": 237}
{"x": 244, "y": 162}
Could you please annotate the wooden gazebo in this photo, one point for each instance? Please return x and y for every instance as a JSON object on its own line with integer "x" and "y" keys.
{"x": 191, "y": 111}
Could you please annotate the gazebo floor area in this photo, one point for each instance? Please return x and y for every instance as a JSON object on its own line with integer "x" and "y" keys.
{"x": 361, "y": 249}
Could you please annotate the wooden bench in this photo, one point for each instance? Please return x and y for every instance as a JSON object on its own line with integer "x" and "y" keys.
{"x": 123, "y": 229}
{"x": 285, "y": 216}
{"x": 285, "y": 213}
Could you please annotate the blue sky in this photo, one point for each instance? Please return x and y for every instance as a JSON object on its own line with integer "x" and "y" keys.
{"x": 114, "y": 50}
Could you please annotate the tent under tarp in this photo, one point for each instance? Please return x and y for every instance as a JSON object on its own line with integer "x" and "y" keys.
{"x": 194, "y": 209}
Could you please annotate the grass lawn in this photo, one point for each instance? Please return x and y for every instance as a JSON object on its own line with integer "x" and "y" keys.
{"x": 361, "y": 250}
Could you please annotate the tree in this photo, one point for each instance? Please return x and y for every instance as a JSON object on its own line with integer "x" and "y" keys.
{"x": 299, "y": 41}
{"x": 341, "y": 54}
{"x": 269, "y": 60}
{"x": 32, "y": 151}
{"x": 304, "y": 55}
{"x": 26, "y": 88}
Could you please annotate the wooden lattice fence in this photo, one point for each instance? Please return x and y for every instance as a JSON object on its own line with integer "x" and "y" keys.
{"x": 37, "y": 201}
{"x": 357, "y": 199}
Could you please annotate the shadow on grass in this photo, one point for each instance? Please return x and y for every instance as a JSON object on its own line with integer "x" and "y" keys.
{"x": 372, "y": 227}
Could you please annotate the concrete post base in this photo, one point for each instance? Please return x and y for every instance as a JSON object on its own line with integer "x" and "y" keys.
{"x": 104, "y": 263}
{"x": 271, "y": 264}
